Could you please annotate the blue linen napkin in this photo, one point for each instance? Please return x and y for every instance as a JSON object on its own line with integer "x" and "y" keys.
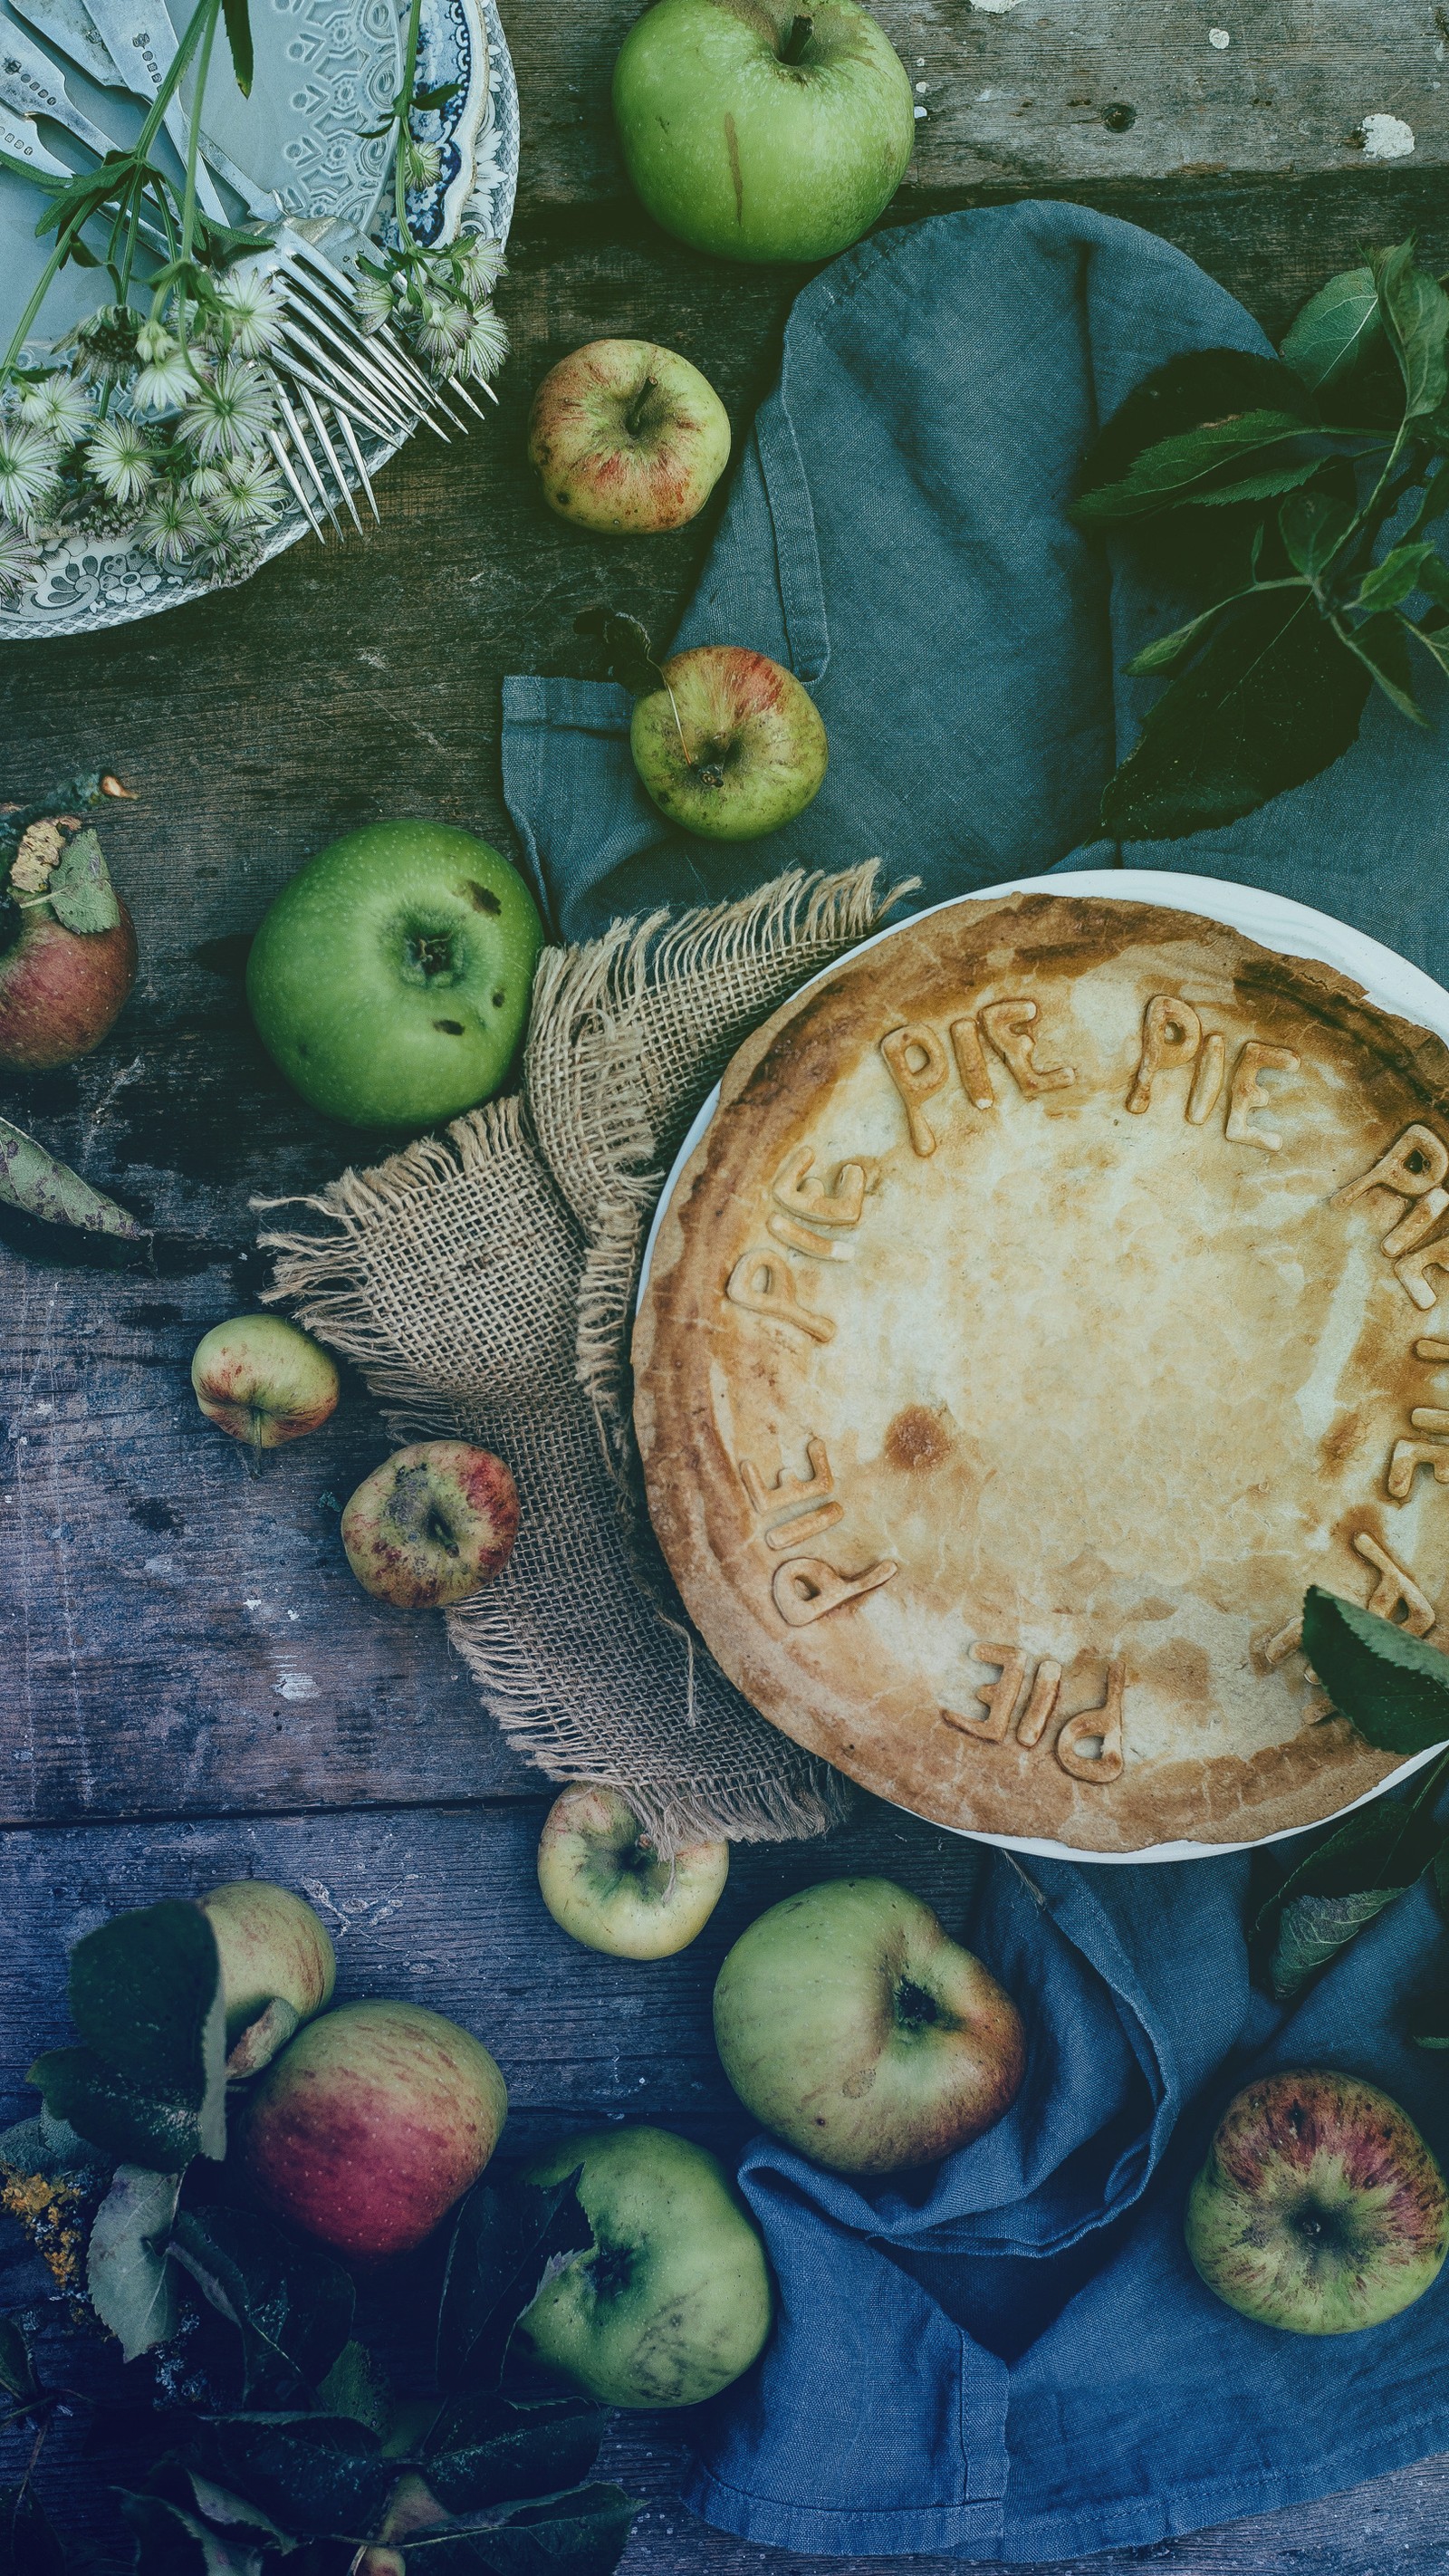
{"x": 1015, "y": 2359}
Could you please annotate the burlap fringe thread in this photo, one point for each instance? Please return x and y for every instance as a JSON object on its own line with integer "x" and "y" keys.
{"x": 485, "y": 1283}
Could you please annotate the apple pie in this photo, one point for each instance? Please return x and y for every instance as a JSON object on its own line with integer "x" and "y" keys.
{"x": 1060, "y": 1286}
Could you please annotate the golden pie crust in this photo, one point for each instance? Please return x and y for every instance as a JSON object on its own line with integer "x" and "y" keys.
{"x": 1022, "y": 1337}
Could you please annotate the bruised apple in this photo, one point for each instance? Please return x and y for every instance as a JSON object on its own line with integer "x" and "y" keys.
{"x": 431, "y": 1524}
{"x": 263, "y": 1380}
{"x": 371, "y": 2124}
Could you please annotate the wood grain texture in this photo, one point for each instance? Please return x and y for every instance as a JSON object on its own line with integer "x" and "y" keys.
{"x": 152, "y": 1668}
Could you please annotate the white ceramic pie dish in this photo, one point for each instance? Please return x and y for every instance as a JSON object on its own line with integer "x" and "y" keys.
{"x": 1294, "y": 930}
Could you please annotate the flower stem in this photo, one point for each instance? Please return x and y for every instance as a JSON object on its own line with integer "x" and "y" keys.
{"x": 193, "y": 140}
{"x": 404, "y": 115}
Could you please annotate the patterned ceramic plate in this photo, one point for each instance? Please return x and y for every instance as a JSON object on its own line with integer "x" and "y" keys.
{"x": 326, "y": 70}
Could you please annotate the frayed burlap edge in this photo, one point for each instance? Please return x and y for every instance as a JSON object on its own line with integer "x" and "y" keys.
{"x": 484, "y": 1283}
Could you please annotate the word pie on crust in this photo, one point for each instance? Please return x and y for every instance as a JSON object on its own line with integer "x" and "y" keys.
{"x": 1060, "y": 1287}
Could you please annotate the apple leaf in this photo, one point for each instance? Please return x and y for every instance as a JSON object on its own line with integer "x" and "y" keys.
{"x": 149, "y": 2085}
{"x": 291, "y": 2304}
{"x": 1185, "y": 467}
{"x": 1200, "y": 385}
{"x": 1415, "y": 314}
{"x": 172, "y": 2541}
{"x": 1393, "y": 1687}
{"x": 483, "y": 2450}
{"x": 131, "y": 2286}
{"x": 1313, "y": 526}
{"x": 79, "y": 891}
{"x": 583, "y": 2534}
{"x": 1336, "y": 330}
{"x": 28, "y": 2542}
{"x": 1272, "y": 698}
{"x": 631, "y": 658}
{"x": 319, "y": 2477}
{"x": 48, "y": 2146}
{"x": 504, "y": 2238}
{"x": 1375, "y": 1854}
{"x": 357, "y": 2385}
{"x": 122, "y": 2120}
{"x": 17, "y": 2371}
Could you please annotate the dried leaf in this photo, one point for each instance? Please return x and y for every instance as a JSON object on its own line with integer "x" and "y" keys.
{"x": 80, "y": 892}
{"x": 34, "y": 1182}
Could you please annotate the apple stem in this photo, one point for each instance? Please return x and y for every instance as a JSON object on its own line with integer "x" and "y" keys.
{"x": 678, "y": 727}
{"x": 793, "y": 48}
{"x": 634, "y": 416}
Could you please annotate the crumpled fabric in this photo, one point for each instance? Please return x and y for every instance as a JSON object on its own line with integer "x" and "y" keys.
{"x": 1012, "y": 2358}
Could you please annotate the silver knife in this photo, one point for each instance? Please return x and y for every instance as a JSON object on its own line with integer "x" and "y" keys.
{"x": 141, "y": 41}
{"x": 20, "y": 140}
{"x": 69, "y": 28}
{"x": 31, "y": 85}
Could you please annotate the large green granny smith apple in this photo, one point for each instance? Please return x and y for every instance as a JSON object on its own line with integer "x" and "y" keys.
{"x": 762, "y": 131}
{"x": 390, "y": 979}
{"x": 673, "y": 2299}
{"x": 852, "y": 2025}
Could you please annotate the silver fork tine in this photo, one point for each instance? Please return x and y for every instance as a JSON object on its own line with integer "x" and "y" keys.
{"x": 388, "y": 393}
{"x": 309, "y": 405}
{"x": 299, "y": 440}
{"x": 345, "y": 425}
{"x": 367, "y": 407}
{"x": 285, "y": 462}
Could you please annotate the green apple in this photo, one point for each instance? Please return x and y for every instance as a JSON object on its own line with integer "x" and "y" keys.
{"x": 850, "y": 2024}
{"x": 731, "y": 746}
{"x": 1320, "y": 2208}
{"x": 627, "y": 438}
{"x": 603, "y": 1881}
{"x": 278, "y": 1966}
{"x": 760, "y": 132}
{"x": 673, "y": 2299}
{"x": 263, "y": 1380}
{"x": 390, "y": 979}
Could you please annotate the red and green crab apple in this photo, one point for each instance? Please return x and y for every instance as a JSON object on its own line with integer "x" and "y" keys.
{"x": 371, "y": 2124}
{"x": 61, "y": 989}
{"x": 731, "y": 746}
{"x": 851, "y": 2025}
{"x": 277, "y": 1966}
{"x": 762, "y": 130}
{"x": 263, "y": 1380}
{"x": 1320, "y": 2208}
{"x": 673, "y": 2299}
{"x": 390, "y": 979}
{"x": 626, "y": 438}
{"x": 603, "y": 1880}
{"x": 431, "y": 1524}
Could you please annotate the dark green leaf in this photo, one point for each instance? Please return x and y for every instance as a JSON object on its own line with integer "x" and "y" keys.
{"x": 218, "y": 2505}
{"x": 170, "y": 2541}
{"x": 1393, "y": 1687}
{"x": 505, "y": 2236}
{"x": 1181, "y": 468}
{"x": 322, "y": 2477}
{"x": 1382, "y": 646}
{"x": 49, "y": 2147}
{"x": 1272, "y": 699}
{"x": 1198, "y": 386}
{"x": 17, "y": 2370}
{"x": 1402, "y": 570}
{"x": 1313, "y": 526}
{"x": 239, "y": 36}
{"x": 1287, "y": 477}
{"x": 630, "y": 655}
{"x": 482, "y": 2451}
{"x": 1336, "y": 329}
{"x": 292, "y": 2304}
{"x": 122, "y": 2120}
{"x": 1429, "y": 2022}
{"x": 582, "y": 2534}
{"x": 436, "y": 97}
{"x": 1167, "y": 651}
{"x": 1375, "y": 1854}
{"x": 357, "y": 2385}
{"x": 132, "y": 2287}
{"x": 79, "y": 891}
{"x": 1434, "y": 578}
{"x": 143, "y": 1989}
{"x": 1415, "y": 313}
{"x": 28, "y": 2544}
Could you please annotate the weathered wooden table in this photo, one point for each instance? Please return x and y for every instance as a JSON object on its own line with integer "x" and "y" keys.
{"x": 191, "y": 1686}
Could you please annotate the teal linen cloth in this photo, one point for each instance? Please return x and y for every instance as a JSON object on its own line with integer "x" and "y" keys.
{"x": 1015, "y": 2360}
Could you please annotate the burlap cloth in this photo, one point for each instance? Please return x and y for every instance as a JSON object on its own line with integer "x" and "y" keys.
{"x": 485, "y": 1283}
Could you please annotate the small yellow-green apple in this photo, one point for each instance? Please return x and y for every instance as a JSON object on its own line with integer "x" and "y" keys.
{"x": 627, "y": 438}
{"x": 731, "y": 746}
{"x": 431, "y": 1524}
{"x": 277, "y": 1966}
{"x": 603, "y": 1880}
{"x": 673, "y": 2299}
{"x": 373, "y": 2121}
{"x": 390, "y": 979}
{"x": 851, "y": 2025}
{"x": 263, "y": 1380}
{"x": 760, "y": 130}
{"x": 1320, "y": 2208}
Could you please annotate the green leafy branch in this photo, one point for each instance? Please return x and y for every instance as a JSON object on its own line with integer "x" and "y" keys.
{"x": 1300, "y": 472}
{"x": 1394, "y": 1689}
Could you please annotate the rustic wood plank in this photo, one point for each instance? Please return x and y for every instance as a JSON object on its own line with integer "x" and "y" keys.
{"x": 1058, "y": 93}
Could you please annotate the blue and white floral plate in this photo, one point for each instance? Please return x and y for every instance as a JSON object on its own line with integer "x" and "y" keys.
{"x": 326, "y": 71}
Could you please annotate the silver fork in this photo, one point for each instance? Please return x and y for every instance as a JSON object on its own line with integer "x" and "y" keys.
{"x": 331, "y": 379}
